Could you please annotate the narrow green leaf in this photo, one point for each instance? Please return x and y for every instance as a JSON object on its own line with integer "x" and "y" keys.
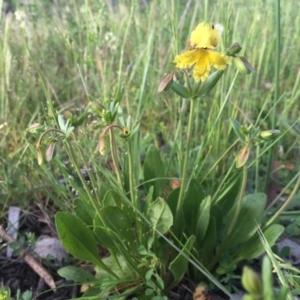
{"x": 267, "y": 277}
{"x": 154, "y": 171}
{"x": 179, "y": 265}
{"x": 203, "y": 219}
{"x": 192, "y": 200}
{"x": 237, "y": 129}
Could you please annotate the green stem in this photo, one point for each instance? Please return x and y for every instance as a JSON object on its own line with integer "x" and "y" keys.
{"x": 114, "y": 156}
{"x": 186, "y": 158}
{"x": 276, "y": 83}
{"x": 286, "y": 203}
{"x": 234, "y": 220}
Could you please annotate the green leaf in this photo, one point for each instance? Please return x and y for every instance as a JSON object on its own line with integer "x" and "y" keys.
{"x": 249, "y": 218}
{"x": 117, "y": 221}
{"x": 112, "y": 198}
{"x": 78, "y": 239}
{"x": 179, "y": 265}
{"x": 210, "y": 83}
{"x": 84, "y": 211}
{"x": 255, "y": 248}
{"x": 76, "y": 274}
{"x": 206, "y": 249}
{"x": 160, "y": 215}
{"x": 154, "y": 171}
{"x": 203, "y": 219}
{"x": 267, "y": 277}
{"x": 237, "y": 129}
{"x": 173, "y": 199}
{"x": 191, "y": 202}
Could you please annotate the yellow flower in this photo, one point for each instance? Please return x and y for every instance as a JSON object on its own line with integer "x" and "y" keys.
{"x": 204, "y": 39}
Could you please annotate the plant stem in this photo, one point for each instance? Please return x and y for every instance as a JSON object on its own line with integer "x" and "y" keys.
{"x": 233, "y": 222}
{"x": 286, "y": 203}
{"x": 114, "y": 156}
{"x": 186, "y": 158}
{"x": 276, "y": 83}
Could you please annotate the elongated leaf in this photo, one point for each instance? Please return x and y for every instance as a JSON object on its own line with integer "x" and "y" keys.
{"x": 206, "y": 249}
{"x": 255, "y": 248}
{"x": 179, "y": 265}
{"x": 112, "y": 198}
{"x": 117, "y": 221}
{"x": 192, "y": 201}
{"x": 84, "y": 211}
{"x": 237, "y": 129}
{"x": 160, "y": 215}
{"x": 76, "y": 274}
{"x": 78, "y": 239}
{"x": 203, "y": 219}
{"x": 250, "y": 216}
{"x": 154, "y": 171}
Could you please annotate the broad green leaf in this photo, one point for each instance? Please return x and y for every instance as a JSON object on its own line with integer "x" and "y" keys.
{"x": 76, "y": 274}
{"x": 173, "y": 199}
{"x": 160, "y": 215}
{"x": 237, "y": 129}
{"x": 104, "y": 236}
{"x": 179, "y": 265}
{"x": 192, "y": 200}
{"x": 254, "y": 248}
{"x": 154, "y": 171}
{"x": 203, "y": 219}
{"x": 117, "y": 221}
{"x": 84, "y": 211}
{"x": 249, "y": 218}
{"x": 78, "y": 239}
{"x": 112, "y": 198}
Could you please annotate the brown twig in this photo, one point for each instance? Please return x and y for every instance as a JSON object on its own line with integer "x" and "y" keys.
{"x": 31, "y": 261}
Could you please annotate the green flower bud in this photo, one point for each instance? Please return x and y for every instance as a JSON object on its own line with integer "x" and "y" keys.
{"x": 40, "y": 155}
{"x": 242, "y": 156}
{"x": 125, "y": 134}
{"x": 210, "y": 83}
{"x": 234, "y": 49}
{"x": 166, "y": 83}
{"x": 243, "y": 65}
{"x": 269, "y": 134}
{"x": 180, "y": 90}
{"x": 252, "y": 283}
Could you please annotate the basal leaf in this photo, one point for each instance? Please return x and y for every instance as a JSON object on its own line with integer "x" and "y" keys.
{"x": 76, "y": 274}
{"x": 250, "y": 216}
{"x": 179, "y": 265}
{"x": 154, "y": 171}
{"x": 203, "y": 219}
{"x": 84, "y": 211}
{"x": 160, "y": 215}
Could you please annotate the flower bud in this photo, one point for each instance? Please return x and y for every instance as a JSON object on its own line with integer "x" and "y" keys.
{"x": 125, "y": 134}
{"x": 210, "y": 83}
{"x": 234, "y": 49}
{"x": 243, "y": 65}
{"x": 242, "y": 156}
{"x": 33, "y": 128}
{"x": 50, "y": 152}
{"x": 252, "y": 282}
{"x": 102, "y": 144}
{"x": 180, "y": 90}
{"x": 40, "y": 156}
{"x": 166, "y": 83}
{"x": 97, "y": 108}
{"x": 269, "y": 134}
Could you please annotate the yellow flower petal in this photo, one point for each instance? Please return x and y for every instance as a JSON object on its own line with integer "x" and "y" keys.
{"x": 186, "y": 59}
{"x": 205, "y": 36}
{"x": 202, "y": 67}
{"x": 218, "y": 60}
